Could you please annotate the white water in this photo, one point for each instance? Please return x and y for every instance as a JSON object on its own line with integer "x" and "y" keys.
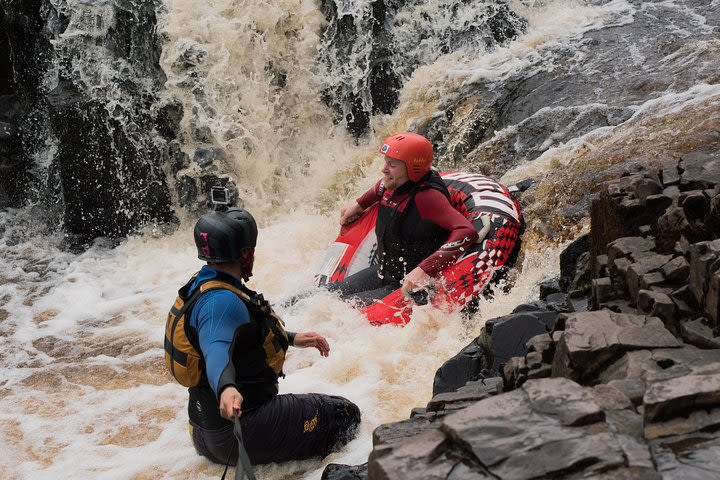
{"x": 85, "y": 393}
{"x": 83, "y": 390}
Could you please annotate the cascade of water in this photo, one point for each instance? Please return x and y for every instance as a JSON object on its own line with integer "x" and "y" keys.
{"x": 244, "y": 80}
{"x": 88, "y": 79}
{"x": 249, "y": 84}
{"x": 371, "y": 48}
{"x": 264, "y": 86}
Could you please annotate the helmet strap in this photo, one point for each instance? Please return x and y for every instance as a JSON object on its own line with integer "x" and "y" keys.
{"x": 246, "y": 261}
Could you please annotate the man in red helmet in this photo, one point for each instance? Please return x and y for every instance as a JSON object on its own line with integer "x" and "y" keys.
{"x": 419, "y": 232}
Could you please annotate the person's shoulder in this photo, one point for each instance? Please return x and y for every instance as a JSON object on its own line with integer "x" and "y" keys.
{"x": 431, "y": 196}
{"x": 218, "y": 305}
{"x": 222, "y": 297}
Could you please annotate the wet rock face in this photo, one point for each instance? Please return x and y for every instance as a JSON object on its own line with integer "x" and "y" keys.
{"x": 594, "y": 82}
{"x": 107, "y": 189}
{"x": 12, "y": 166}
{"x": 390, "y": 39}
{"x": 91, "y": 127}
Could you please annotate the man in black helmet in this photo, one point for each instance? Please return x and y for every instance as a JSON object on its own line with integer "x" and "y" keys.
{"x": 225, "y": 342}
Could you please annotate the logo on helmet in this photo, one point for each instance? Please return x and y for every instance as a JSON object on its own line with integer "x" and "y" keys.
{"x": 385, "y": 148}
{"x": 205, "y": 247}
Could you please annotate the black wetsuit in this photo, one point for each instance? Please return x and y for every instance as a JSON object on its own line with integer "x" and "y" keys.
{"x": 244, "y": 347}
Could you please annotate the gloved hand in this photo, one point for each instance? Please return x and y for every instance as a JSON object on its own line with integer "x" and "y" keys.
{"x": 415, "y": 281}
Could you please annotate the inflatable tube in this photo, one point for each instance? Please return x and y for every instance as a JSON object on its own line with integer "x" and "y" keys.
{"x": 491, "y": 209}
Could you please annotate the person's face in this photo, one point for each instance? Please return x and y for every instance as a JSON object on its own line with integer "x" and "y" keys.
{"x": 394, "y": 173}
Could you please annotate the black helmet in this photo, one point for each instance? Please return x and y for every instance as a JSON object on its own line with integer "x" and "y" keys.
{"x": 221, "y": 236}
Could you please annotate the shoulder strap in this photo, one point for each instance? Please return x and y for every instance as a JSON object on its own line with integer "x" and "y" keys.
{"x": 186, "y": 308}
{"x": 254, "y": 301}
{"x": 243, "y": 466}
{"x": 436, "y": 182}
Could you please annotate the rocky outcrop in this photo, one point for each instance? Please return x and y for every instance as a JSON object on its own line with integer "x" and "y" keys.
{"x": 377, "y": 42}
{"x": 492, "y": 126}
{"x": 628, "y": 387}
{"x": 86, "y": 121}
{"x": 663, "y": 258}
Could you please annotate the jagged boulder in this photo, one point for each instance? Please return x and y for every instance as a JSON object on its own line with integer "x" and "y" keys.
{"x": 469, "y": 364}
{"x": 501, "y": 339}
{"x": 629, "y": 389}
{"x": 590, "y": 340}
{"x": 335, "y": 471}
{"x": 549, "y": 428}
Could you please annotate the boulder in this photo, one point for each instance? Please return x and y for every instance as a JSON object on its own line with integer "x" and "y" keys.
{"x": 592, "y": 340}
{"x": 336, "y": 471}
{"x": 421, "y": 456}
{"x": 569, "y": 259}
{"x": 469, "y": 364}
{"x": 546, "y": 429}
{"x": 510, "y": 334}
{"x": 658, "y": 304}
{"x": 469, "y": 393}
{"x": 691, "y": 456}
{"x": 704, "y": 264}
{"x": 681, "y": 395}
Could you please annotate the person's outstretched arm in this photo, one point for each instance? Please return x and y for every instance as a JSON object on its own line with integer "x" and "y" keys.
{"x": 353, "y": 210}
{"x": 310, "y": 339}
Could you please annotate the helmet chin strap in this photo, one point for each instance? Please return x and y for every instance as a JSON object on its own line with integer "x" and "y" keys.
{"x": 246, "y": 263}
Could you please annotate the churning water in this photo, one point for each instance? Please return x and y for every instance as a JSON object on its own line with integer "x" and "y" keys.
{"x": 83, "y": 388}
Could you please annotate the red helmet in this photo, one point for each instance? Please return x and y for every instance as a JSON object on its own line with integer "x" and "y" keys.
{"x": 414, "y": 150}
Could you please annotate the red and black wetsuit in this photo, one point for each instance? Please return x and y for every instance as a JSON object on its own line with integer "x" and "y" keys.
{"x": 416, "y": 226}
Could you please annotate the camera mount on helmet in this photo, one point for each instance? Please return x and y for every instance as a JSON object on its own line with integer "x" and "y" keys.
{"x": 220, "y": 198}
{"x": 224, "y": 233}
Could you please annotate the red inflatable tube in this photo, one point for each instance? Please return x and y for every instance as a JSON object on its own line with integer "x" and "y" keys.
{"x": 493, "y": 211}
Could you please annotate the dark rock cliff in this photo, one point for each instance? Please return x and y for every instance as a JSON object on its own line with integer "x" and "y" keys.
{"x": 82, "y": 115}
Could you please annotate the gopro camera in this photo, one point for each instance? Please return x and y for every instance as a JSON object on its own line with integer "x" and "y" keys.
{"x": 220, "y": 197}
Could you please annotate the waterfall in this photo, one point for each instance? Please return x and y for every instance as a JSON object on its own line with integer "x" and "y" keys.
{"x": 116, "y": 116}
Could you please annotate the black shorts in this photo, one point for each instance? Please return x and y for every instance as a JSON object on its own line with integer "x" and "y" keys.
{"x": 288, "y": 427}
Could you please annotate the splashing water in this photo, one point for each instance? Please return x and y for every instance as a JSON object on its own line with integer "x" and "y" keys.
{"x": 83, "y": 388}
{"x": 86, "y": 394}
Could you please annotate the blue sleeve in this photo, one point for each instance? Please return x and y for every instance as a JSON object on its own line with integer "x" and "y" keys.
{"x": 216, "y": 317}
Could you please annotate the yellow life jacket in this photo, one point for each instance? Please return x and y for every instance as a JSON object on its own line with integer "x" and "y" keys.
{"x": 182, "y": 351}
